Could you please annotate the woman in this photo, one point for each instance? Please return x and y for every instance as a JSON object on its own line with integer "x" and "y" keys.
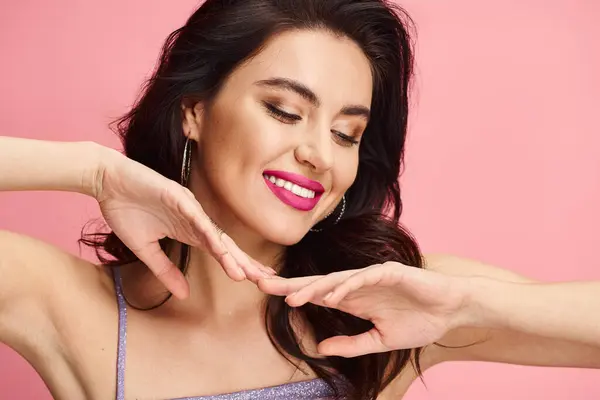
{"x": 286, "y": 121}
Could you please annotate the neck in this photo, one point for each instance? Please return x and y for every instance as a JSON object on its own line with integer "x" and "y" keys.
{"x": 213, "y": 293}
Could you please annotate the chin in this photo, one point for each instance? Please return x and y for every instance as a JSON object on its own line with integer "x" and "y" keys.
{"x": 284, "y": 234}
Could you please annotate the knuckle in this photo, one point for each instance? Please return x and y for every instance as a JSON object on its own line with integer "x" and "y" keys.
{"x": 188, "y": 192}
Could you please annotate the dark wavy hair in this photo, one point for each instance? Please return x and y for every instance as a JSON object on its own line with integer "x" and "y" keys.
{"x": 196, "y": 60}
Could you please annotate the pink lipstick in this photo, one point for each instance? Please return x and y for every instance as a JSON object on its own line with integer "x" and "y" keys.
{"x": 294, "y": 190}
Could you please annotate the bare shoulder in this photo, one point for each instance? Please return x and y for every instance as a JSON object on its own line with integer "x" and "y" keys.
{"x": 33, "y": 269}
{"x": 47, "y": 296}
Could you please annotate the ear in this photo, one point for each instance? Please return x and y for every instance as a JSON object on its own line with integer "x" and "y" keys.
{"x": 191, "y": 117}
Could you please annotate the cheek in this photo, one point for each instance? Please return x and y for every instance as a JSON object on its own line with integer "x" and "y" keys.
{"x": 345, "y": 172}
{"x": 225, "y": 136}
{"x": 240, "y": 140}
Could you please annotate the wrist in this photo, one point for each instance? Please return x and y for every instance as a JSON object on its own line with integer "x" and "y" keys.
{"x": 485, "y": 303}
{"x": 97, "y": 158}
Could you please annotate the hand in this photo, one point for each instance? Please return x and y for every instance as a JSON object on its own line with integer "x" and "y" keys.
{"x": 141, "y": 207}
{"x": 410, "y": 307}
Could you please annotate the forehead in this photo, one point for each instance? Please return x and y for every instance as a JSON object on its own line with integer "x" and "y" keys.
{"x": 334, "y": 67}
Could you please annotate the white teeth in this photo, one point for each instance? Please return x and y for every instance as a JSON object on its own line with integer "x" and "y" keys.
{"x": 292, "y": 187}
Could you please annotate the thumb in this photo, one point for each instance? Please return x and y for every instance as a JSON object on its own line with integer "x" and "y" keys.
{"x": 352, "y": 346}
{"x": 163, "y": 268}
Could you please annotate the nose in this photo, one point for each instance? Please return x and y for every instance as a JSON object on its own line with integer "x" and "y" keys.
{"x": 316, "y": 151}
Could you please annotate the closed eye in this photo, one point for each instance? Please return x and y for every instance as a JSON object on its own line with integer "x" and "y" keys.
{"x": 341, "y": 138}
{"x": 281, "y": 115}
{"x": 347, "y": 141}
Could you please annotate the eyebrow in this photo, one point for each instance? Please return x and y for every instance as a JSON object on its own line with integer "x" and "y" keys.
{"x": 310, "y": 96}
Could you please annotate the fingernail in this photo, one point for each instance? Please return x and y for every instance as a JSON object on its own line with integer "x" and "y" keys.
{"x": 328, "y": 296}
{"x": 272, "y": 271}
{"x": 289, "y": 297}
{"x": 242, "y": 273}
{"x": 265, "y": 274}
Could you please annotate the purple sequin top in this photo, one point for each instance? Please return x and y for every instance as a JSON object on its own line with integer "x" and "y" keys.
{"x": 308, "y": 390}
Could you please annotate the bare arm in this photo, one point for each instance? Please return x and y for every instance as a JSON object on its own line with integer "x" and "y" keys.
{"x": 533, "y": 323}
{"x": 161, "y": 208}
{"x": 27, "y": 164}
{"x": 39, "y": 281}
{"x": 27, "y": 266}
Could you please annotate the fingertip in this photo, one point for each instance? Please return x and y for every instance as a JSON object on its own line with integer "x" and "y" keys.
{"x": 231, "y": 267}
{"x": 294, "y": 300}
{"x": 235, "y": 273}
{"x": 181, "y": 294}
{"x": 323, "y": 349}
{"x": 290, "y": 300}
{"x": 181, "y": 291}
{"x": 271, "y": 286}
{"x": 240, "y": 275}
{"x": 261, "y": 284}
{"x": 264, "y": 274}
{"x": 331, "y": 299}
{"x": 264, "y": 282}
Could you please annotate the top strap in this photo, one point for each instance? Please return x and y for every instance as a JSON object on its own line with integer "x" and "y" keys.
{"x": 122, "y": 344}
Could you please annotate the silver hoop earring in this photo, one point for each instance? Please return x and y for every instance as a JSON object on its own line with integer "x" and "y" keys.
{"x": 186, "y": 165}
{"x": 338, "y": 218}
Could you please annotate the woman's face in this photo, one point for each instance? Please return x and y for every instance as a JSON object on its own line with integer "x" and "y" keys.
{"x": 278, "y": 147}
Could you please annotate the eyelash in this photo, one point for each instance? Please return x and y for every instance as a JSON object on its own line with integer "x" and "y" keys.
{"x": 288, "y": 118}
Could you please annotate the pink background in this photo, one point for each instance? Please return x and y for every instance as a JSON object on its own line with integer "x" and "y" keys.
{"x": 503, "y": 160}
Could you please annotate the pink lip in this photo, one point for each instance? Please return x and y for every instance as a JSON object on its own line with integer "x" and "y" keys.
{"x": 298, "y": 180}
{"x": 289, "y": 198}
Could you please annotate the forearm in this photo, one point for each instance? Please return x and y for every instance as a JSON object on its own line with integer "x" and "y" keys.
{"x": 565, "y": 311}
{"x": 27, "y": 164}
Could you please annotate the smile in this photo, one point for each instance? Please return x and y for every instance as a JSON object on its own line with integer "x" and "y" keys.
{"x": 294, "y": 190}
{"x": 292, "y": 187}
